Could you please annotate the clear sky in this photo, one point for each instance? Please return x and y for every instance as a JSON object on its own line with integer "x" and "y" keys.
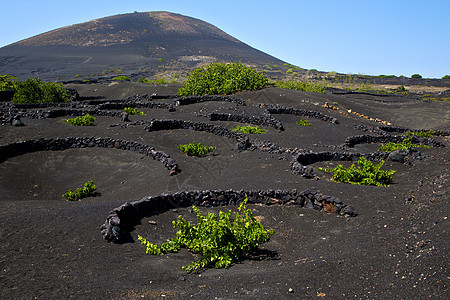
{"x": 371, "y": 37}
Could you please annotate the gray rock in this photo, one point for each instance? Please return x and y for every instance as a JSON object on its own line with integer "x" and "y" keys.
{"x": 17, "y": 123}
{"x": 397, "y": 156}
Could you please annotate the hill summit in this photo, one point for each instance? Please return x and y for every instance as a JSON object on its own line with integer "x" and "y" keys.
{"x": 146, "y": 42}
{"x": 129, "y": 28}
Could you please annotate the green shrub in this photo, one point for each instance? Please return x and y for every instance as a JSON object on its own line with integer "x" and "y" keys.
{"x": 421, "y": 133}
{"x": 303, "y": 122}
{"x": 446, "y": 77}
{"x": 34, "y": 90}
{"x": 112, "y": 71}
{"x": 400, "y": 89}
{"x": 301, "y": 86}
{"x": 416, "y": 76}
{"x": 366, "y": 173}
{"x": 404, "y": 145}
{"x": 86, "y": 120}
{"x": 122, "y": 78}
{"x": 133, "y": 111}
{"x": 196, "y": 149}
{"x": 219, "y": 242}
{"x": 86, "y": 191}
{"x": 221, "y": 78}
{"x": 435, "y": 99}
{"x": 366, "y": 87}
{"x": 152, "y": 81}
{"x": 7, "y": 82}
{"x": 250, "y": 129}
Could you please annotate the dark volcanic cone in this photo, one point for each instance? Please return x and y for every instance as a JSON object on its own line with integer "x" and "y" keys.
{"x": 147, "y": 43}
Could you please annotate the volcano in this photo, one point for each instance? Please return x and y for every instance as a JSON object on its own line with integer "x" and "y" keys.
{"x": 136, "y": 43}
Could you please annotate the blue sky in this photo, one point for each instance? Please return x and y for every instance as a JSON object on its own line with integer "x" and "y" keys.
{"x": 400, "y": 37}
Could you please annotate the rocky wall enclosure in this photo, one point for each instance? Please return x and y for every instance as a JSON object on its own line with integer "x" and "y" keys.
{"x": 122, "y": 220}
{"x": 58, "y": 144}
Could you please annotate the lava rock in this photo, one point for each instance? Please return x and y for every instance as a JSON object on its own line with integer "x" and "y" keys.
{"x": 397, "y": 156}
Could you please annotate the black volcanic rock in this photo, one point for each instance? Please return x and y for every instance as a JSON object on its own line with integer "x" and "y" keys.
{"x": 138, "y": 42}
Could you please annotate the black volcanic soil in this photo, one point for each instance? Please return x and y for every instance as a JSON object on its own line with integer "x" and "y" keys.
{"x": 393, "y": 248}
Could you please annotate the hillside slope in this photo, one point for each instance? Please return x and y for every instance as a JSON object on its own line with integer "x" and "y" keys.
{"x": 145, "y": 43}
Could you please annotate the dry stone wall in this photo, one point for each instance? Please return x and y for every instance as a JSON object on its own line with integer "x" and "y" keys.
{"x": 122, "y": 220}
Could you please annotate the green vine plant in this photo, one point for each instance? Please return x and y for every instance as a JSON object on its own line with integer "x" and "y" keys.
{"x": 250, "y": 129}
{"x": 421, "y": 133}
{"x": 303, "y": 122}
{"x": 220, "y": 242}
{"x": 133, "y": 111}
{"x": 121, "y": 78}
{"x": 196, "y": 149}
{"x": 153, "y": 81}
{"x": 366, "y": 173}
{"x": 404, "y": 145}
{"x": 86, "y": 191}
{"x": 85, "y": 120}
{"x": 301, "y": 86}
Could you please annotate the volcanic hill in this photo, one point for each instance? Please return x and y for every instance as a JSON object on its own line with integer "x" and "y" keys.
{"x": 144, "y": 43}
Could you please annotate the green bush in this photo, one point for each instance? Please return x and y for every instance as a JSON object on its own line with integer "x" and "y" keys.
{"x": 421, "y": 133}
{"x": 366, "y": 173}
{"x": 87, "y": 190}
{"x": 152, "y": 81}
{"x": 221, "y": 78}
{"x": 446, "y": 77}
{"x": 7, "y": 82}
{"x": 34, "y": 90}
{"x": 400, "y": 89}
{"x": 196, "y": 149}
{"x": 133, "y": 111}
{"x": 219, "y": 242}
{"x": 301, "y": 86}
{"x": 250, "y": 129}
{"x": 435, "y": 99}
{"x": 303, "y": 122}
{"x": 366, "y": 87}
{"x": 416, "y": 76}
{"x": 404, "y": 145}
{"x": 86, "y": 120}
{"x": 122, "y": 78}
